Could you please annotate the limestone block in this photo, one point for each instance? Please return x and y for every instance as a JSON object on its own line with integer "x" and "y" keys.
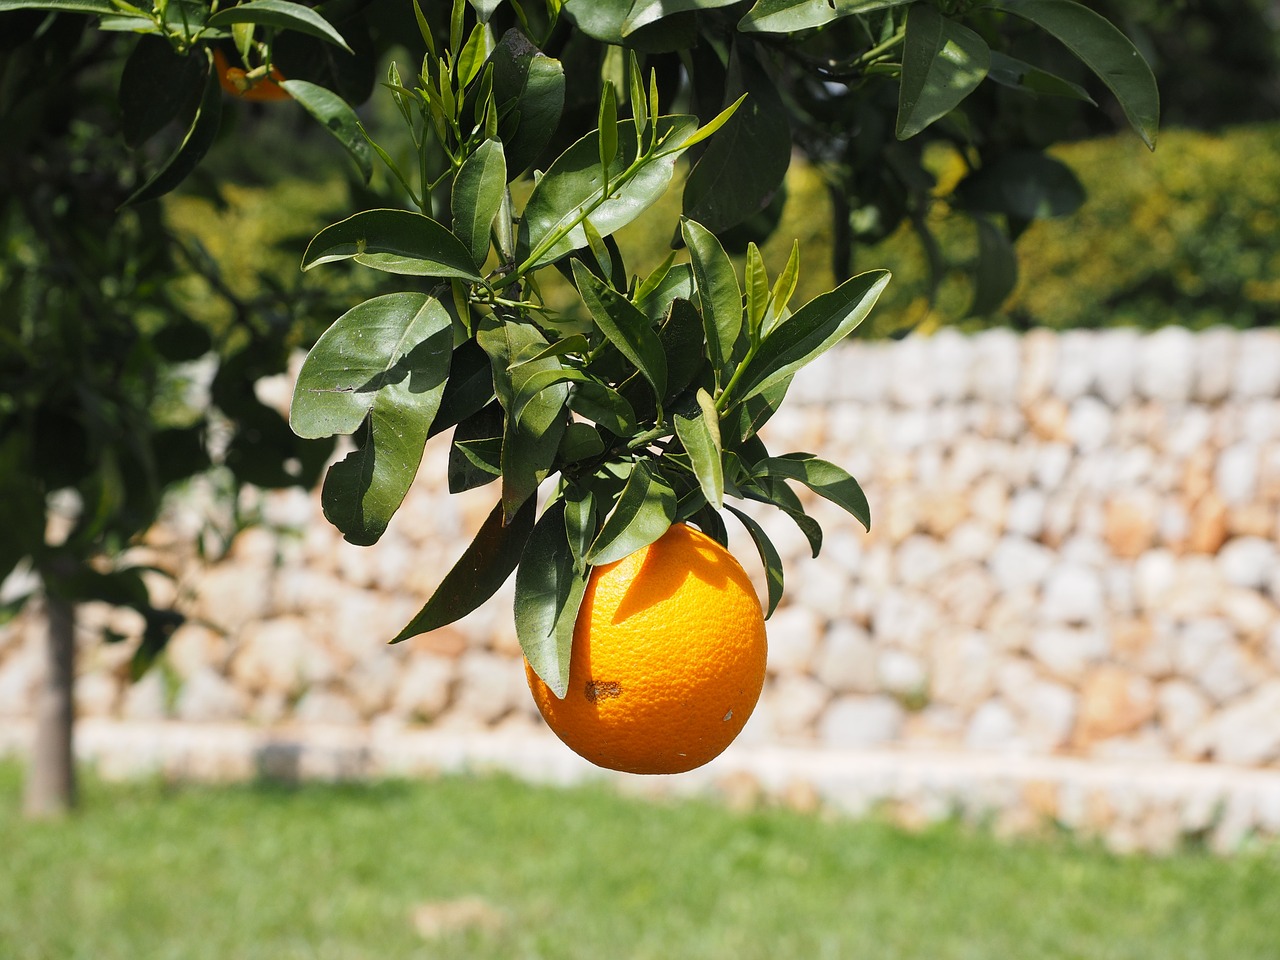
{"x": 1073, "y": 594}
{"x": 1018, "y": 562}
{"x": 1130, "y": 523}
{"x": 1113, "y": 701}
{"x": 1068, "y": 651}
{"x": 1181, "y": 707}
{"x": 1248, "y": 732}
{"x": 206, "y": 697}
{"x": 1217, "y": 361}
{"x": 794, "y": 633}
{"x": 1166, "y": 365}
{"x": 193, "y": 647}
{"x": 270, "y": 655}
{"x": 950, "y": 361}
{"x": 962, "y": 668}
{"x": 794, "y": 704}
{"x": 1049, "y": 710}
{"x": 489, "y": 686}
{"x": 146, "y": 699}
{"x": 1257, "y": 373}
{"x": 857, "y": 722}
{"x": 327, "y": 708}
{"x": 966, "y": 593}
{"x": 424, "y": 688}
{"x": 1074, "y": 376}
{"x": 228, "y": 596}
{"x": 905, "y": 618}
{"x": 1249, "y": 612}
{"x": 96, "y": 695}
{"x": 901, "y": 674}
{"x": 993, "y": 727}
{"x": 371, "y": 682}
{"x": 1089, "y": 424}
{"x": 1026, "y": 513}
{"x": 1235, "y": 476}
{"x": 1114, "y": 358}
{"x": 847, "y": 662}
{"x": 1039, "y": 357}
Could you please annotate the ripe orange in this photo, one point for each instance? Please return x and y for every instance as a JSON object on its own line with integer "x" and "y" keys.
{"x": 236, "y": 81}
{"x": 668, "y": 658}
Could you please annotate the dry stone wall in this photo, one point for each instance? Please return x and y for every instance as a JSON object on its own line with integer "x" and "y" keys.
{"x": 1074, "y": 553}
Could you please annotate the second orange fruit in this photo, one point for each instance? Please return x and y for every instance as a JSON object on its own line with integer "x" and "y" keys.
{"x": 236, "y": 81}
{"x": 668, "y": 658}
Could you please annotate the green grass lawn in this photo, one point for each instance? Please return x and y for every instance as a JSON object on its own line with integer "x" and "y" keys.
{"x": 241, "y": 873}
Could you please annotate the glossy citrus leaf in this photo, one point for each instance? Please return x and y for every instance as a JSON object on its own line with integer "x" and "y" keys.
{"x": 1106, "y": 51}
{"x": 643, "y": 512}
{"x": 719, "y": 296}
{"x": 336, "y": 116}
{"x": 809, "y": 332}
{"x": 478, "y": 191}
{"x": 548, "y": 595}
{"x": 395, "y": 241}
{"x": 482, "y": 569}
{"x": 768, "y": 557}
{"x": 942, "y": 63}
{"x": 281, "y": 14}
{"x": 823, "y": 478}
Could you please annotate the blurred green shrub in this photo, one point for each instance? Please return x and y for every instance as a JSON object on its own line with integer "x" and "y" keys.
{"x": 1188, "y": 235}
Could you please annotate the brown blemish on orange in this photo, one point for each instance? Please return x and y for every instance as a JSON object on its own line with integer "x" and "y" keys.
{"x": 602, "y": 690}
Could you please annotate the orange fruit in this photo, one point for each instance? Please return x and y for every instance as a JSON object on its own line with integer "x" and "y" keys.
{"x": 668, "y": 658}
{"x": 236, "y": 81}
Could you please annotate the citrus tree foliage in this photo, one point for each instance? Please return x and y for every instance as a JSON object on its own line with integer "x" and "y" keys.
{"x": 648, "y": 412}
{"x": 644, "y": 414}
{"x": 110, "y": 391}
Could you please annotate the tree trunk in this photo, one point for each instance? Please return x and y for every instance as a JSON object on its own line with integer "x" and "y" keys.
{"x": 51, "y": 780}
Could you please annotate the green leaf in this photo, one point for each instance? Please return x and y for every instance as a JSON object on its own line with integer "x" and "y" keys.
{"x": 282, "y": 15}
{"x": 580, "y": 442}
{"x": 154, "y": 86}
{"x": 809, "y": 332}
{"x": 199, "y": 138}
{"x": 1011, "y": 72}
{"x": 579, "y": 524}
{"x": 768, "y": 556}
{"x": 482, "y": 569}
{"x": 531, "y": 442}
{"x": 381, "y": 366}
{"x": 682, "y": 341}
{"x": 474, "y": 53}
{"x": 478, "y": 191}
{"x": 603, "y": 405}
{"x": 1024, "y": 184}
{"x": 1106, "y": 51}
{"x": 744, "y": 165}
{"x": 625, "y": 326}
{"x": 825, "y": 479}
{"x": 757, "y": 284}
{"x": 942, "y": 63}
{"x": 701, "y": 439}
{"x": 783, "y": 288}
{"x": 643, "y": 513}
{"x": 719, "y": 296}
{"x": 470, "y": 387}
{"x": 336, "y": 116}
{"x": 788, "y": 16}
{"x": 528, "y": 88}
{"x": 395, "y": 241}
{"x": 607, "y": 125}
{"x": 645, "y": 12}
{"x": 102, "y": 8}
{"x": 475, "y": 454}
{"x": 571, "y": 190}
{"x": 996, "y": 272}
{"x": 548, "y": 595}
